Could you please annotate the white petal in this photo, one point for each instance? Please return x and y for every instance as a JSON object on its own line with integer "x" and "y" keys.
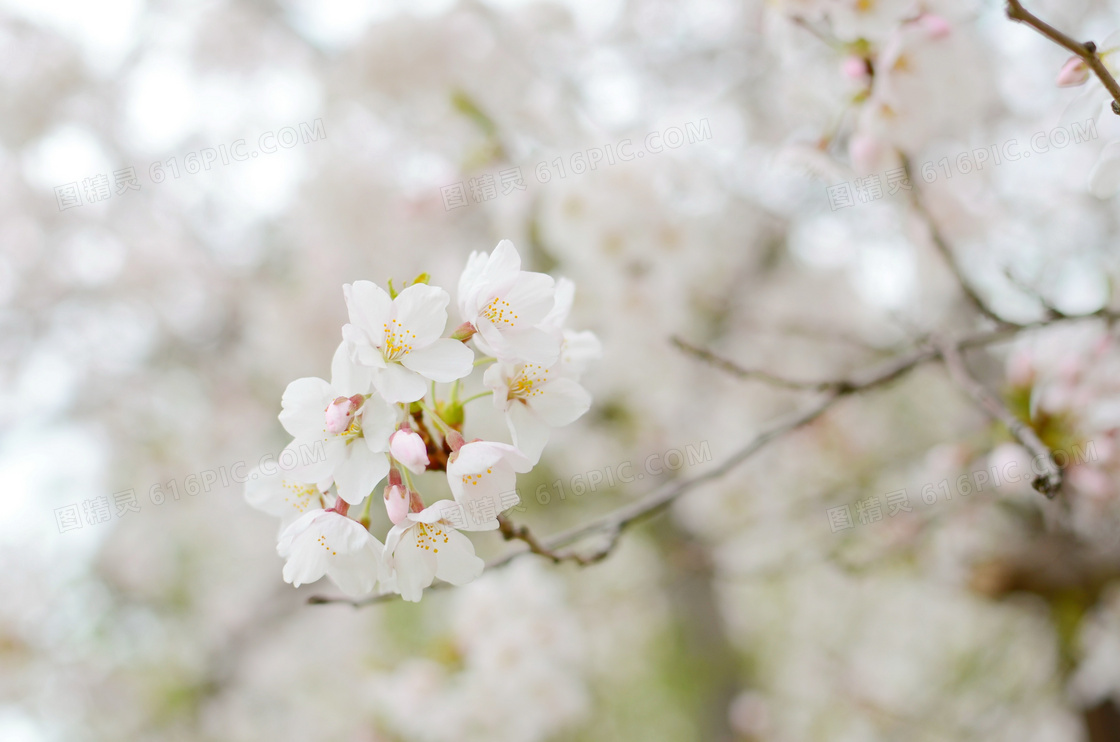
{"x": 565, "y": 295}
{"x": 379, "y": 420}
{"x": 369, "y": 307}
{"x": 531, "y": 298}
{"x": 578, "y": 350}
{"x": 397, "y": 384}
{"x": 530, "y": 434}
{"x": 496, "y": 379}
{"x": 347, "y": 377}
{"x": 313, "y": 459}
{"x": 361, "y": 347}
{"x": 501, "y": 268}
{"x": 422, "y": 310}
{"x": 1104, "y": 178}
{"x": 456, "y": 562}
{"x": 470, "y": 285}
{"x": 304, "y": 403}
{"x": 359, "y": 472}
{"x": 560, "y": 402}
{"x": 444, "y": 361}
{"x": 535, "y": 345}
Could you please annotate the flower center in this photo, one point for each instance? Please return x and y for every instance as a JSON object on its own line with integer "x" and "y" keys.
{"x": 431, "y": 536}
{"x": 300, "y": 496}
{"x": 474, "y": 479}
{"x": 526, "y": 383}
{"x": 499, "y": 312}
{"x": 398, "y": 340}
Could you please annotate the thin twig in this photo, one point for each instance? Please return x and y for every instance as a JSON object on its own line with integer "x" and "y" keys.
{"x": 942, "y": 245}
{"x": 1087, "y": 51}
{"x": 615, "y": 522}
{"x": 1048, "y": 483}
{"x": 746, "y": 373}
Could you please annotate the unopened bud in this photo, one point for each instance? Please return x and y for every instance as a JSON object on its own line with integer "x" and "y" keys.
{"x": 341, "y": 411}
{"x": 855, "y": 68}
{"x": 1073, "y": 73}
{"x": 463, "y": 332}
{"x": 396, "y": 503}
{"x": 409, "y": 449}
{"x": 454, "y": 440}
{"x": 936, "y": 26}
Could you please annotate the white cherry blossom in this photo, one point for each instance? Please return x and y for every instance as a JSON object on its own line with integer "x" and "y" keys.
{"x": 424, "y": 546}
{"x": 354, "y": 457}
{"x": 282, "y": 496}
{"x": 506, "y": 306}
{"x": 535, "y": 400}
{"x": 325, "y": 542}
{"x": 399, "y": 339}
{"x": 480, "y": 473}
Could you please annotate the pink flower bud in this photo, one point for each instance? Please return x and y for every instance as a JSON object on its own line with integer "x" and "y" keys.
{"x": 396, "y": 503}
{"x": 854, "y": 68}
{"x": 408, "y": 447}
{"x": 464, "y": 332}
{"x": 454, "y": 440}
{"x": 340, "y": 413}
{"x": 1074, "y": 72}
{"x": 936, "y": 26}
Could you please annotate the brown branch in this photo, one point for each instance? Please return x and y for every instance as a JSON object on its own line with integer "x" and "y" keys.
{"x": 746, "y": 373}
{"x": 943, "y": 247}
{"x": 1087, "y": 51}
{"x": 1048, "y": 483}
{"x": 615, "y": 522}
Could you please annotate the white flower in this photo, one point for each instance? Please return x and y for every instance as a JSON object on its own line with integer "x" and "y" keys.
{"x": 353, "y": 458}
{"x": 534, "y": 400}
{"x": 399, "y": 339}
{"x": 506, "y": 304}
{"x": 479, "y": 474}
{"x": 577, "y": 349}
{"x": 422, "y": 547}
{"x": 325, "y": 542}
{"x": 279, "y": 495}
{"x": 408, "y": 448}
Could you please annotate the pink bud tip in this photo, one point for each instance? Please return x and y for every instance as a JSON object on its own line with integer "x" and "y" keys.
{"x": 936, "y": 26}
{"x": 1074, "y": 72}
{"x": 409, "y": 449}
{"x": 463, "y": 332}
{"x": 340, "y": 413}
{"x": 454, "y": 440}
{"x": 396, "y": 503}
{"x": 395, "y": 477}
{"x": 854, "y": 68}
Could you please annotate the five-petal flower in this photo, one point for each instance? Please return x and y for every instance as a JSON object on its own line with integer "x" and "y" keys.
{"x": 399, "y": 339}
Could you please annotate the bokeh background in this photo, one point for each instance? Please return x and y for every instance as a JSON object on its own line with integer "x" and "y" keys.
{"x": 147, "y": 333}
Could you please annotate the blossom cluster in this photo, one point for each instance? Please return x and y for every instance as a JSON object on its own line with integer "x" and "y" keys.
{"x": 379, "y": 419}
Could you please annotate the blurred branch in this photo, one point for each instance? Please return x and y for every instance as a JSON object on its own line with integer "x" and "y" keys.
{"x": 1048, "y": 483}
{"x": 745, "y": 373}
{"x": 1087, "y": 51}
{"x": 614, "y": 523}
{"x": 946, "y": 251}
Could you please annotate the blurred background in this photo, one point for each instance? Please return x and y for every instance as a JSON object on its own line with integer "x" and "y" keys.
{"x": 185, "y": 187}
